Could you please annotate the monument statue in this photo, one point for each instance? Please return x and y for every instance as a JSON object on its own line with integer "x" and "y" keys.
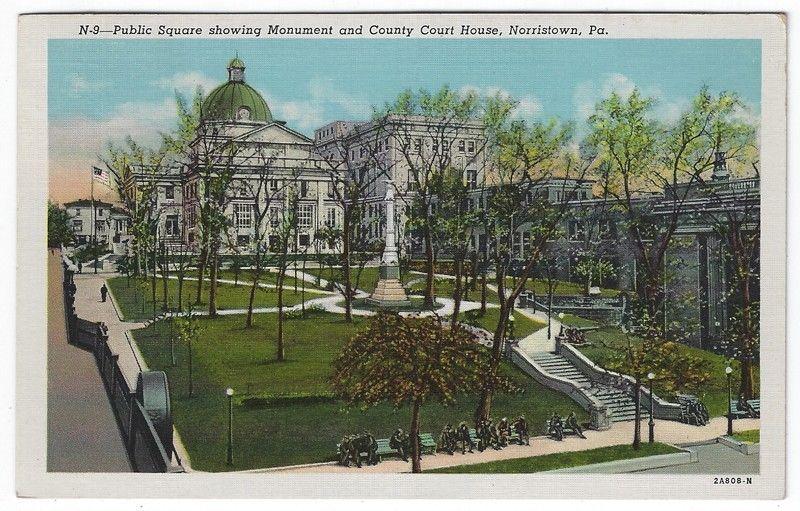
{"x": 389, "y": 292}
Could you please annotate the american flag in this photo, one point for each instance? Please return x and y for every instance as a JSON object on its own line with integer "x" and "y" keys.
{"x": 101, "y": 175}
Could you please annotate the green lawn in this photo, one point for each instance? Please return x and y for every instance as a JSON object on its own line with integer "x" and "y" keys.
{"x": 364, "y": 278}
{"x": 523, "y": 325}
{"x": 267, "y": 277}
{"x": 559, "y": 460}
{"x": 607, "y": 342}
{"x": 560, "y": 287}
{"x": 751, "y": 436}
{"x": 284, "y": 413}
{"x": 131, "y": 296}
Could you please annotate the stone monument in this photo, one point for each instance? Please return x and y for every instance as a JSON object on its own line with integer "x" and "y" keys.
{"x": 389, "y": 292}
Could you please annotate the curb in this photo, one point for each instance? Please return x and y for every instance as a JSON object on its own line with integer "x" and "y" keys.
{"x": 743, "y": 447}
{"x": 631, "y": 465}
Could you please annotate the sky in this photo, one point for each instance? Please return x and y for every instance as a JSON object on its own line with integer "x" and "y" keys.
{"x": 102, "y": 90}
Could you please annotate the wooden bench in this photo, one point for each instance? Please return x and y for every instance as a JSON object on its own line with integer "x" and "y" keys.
{"x": 736, "y": 413}
{"x": 427, "y": 443}
{"x": 427, "y": 446}
{"x": 384, "y": 449}
{"x": 754, "y": 406}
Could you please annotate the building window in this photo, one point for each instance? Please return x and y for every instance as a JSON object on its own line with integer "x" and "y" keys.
{"x": 77, "y": 211}
{"x": 99, "y": 212}
{"x": 303, "y": 188}
{"x": 242, "y": 240}
{"x": 169, "y": 192}
{"x": 471, "y": 147}
{"x": 417, "y": 145}
{"x": 462, "y": 146}
{"x": 330, "y": 218}
{"x": 171, "y": 224}
{"x": 244, "y": 215}
{"x": 472, "y": 178}
{"x": 305, "y": 216}
{"x": 273, "y": 241}
{"x": 274, "y": 216}
{"x": 273, "y": 185}
{"x": 77, "y": 225}
{"x": 330, "y": 190}
{"x": 304, "y": 240}
{"x": 576, "y": 230}
{"x": 100, "y": 226}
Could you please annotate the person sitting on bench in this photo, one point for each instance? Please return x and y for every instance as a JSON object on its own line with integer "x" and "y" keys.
{"x": 521, "y": 428}
{"x": 399, "y": 441}
{"x": 572, "y": 423}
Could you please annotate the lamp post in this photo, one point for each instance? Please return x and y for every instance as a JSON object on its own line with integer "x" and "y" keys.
{"x": 728, "y": 371}
{"x": 511, "y": 326}
{"x": 229, "y": 393}
{"x": 651, "y": 423}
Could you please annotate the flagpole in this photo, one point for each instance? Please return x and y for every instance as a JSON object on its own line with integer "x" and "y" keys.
{"x": 94, "y": 225}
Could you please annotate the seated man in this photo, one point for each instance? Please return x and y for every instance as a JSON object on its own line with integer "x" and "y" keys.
{"x": 555, "y": 427}
{"x": 447, "y": 440}
{"x": 399, "y": 442}
{"x": 503, "y": 431}
{"x": 572, "y": 423}
{"x": 462, "y": 435}
{"x": 521, "y": 428}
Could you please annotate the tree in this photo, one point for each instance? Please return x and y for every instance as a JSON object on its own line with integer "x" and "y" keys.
{"x": 285, "y": 234}
{"x": 641, "y": 156}
{"x": 521, "y": 217}
{"x": 675, "y": 371}
{"x": 409, "y": 362}
{"x": 350, "y": 180}
{"x": 430, "y": 129}
{"x": 266, "y": 194}
{"x": 59, "y": 230}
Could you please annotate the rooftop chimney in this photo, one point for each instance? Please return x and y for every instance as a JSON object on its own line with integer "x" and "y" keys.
{"x": 720, "y": 172}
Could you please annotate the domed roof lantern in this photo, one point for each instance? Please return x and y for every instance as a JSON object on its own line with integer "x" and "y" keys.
{"x": 234, "y": 100}
{"x": 236, "y": 69}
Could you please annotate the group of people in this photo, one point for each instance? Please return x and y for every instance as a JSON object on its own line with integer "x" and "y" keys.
{"x": 558, "y": 427}
{"x": 498, "y": 436}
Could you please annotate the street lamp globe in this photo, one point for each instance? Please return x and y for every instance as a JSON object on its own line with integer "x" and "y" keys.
{"x": 229, "y": 392}
{"x": 560, "y": 315}
{"x": 511, "y": 318}
{"x": 650, "y": 376}
{"x": 728, "y": 370}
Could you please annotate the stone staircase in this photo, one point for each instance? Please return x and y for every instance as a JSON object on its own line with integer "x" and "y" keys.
{"x": 619, "y": 404}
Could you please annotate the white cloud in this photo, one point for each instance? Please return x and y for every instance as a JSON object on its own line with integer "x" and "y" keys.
{"x": 527, "y": 106}
{"x": 79, "y": 83}
{"x": 188, "y": 82}
{"x": 85, "y": 137}
{"x": 588, "y": 94}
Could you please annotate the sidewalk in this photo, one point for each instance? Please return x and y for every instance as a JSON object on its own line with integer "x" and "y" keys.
{"x": 620, "y": 433}
{"x": 82, "y": 432}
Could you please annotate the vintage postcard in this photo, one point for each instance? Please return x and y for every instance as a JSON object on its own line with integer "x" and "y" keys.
{"x": 402, "y": 255}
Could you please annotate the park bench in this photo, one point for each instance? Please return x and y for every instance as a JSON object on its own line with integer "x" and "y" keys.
{"x": 513, "y": 438}
{"x": 736, "y": 413}
{"x": 567, "y": 430}
{"x": 754, "y": 407}
{"x": 427, "y": 446}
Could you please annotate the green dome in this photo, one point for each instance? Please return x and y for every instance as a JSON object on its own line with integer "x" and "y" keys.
{"x": 235, "y": 100}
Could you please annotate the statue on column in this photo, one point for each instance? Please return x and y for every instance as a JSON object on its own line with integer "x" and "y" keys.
{"x": 389, "y": 292}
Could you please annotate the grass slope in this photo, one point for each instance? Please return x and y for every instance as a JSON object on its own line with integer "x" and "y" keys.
{"x": 523, "y": 325}
{"x": 559, "y": 460}
{"x": 301, "y": 423}
{"x": 752, "y": 436}
{"x": 608, "y": 341}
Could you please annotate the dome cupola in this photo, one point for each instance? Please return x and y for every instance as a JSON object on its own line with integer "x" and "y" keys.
{"x": 235, "y": 100}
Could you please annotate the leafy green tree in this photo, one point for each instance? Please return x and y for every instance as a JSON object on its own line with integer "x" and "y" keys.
{"x": 59, "y": 231}
{"x": 409, "y": 362}
{"x": 674, "y": 370}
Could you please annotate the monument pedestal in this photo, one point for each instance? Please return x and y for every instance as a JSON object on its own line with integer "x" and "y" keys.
{"x": 389, "y": 292}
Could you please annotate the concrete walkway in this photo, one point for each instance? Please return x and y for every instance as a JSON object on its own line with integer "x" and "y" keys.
{"x": 620, "y": 434}
{"x": 713, "y": 458}
{"x": 82, "y": 432}
{"x": 89, "y": 306}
